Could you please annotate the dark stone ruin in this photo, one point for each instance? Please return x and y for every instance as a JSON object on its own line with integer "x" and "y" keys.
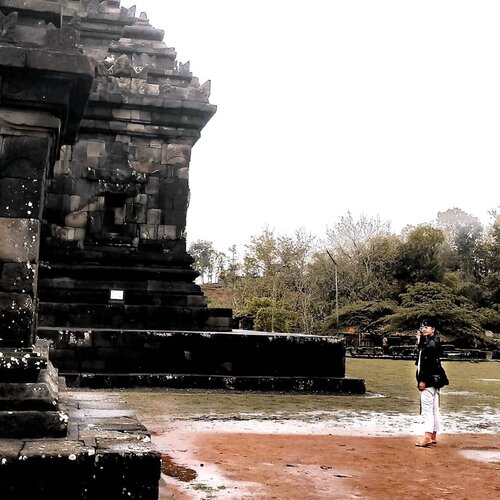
{"x": 208, "y": 360}
{"x": 113, "y": 249}
{"x": 116, "y": 287}
{"x": 51, "y": 445}
{"x": 97, "y": 123}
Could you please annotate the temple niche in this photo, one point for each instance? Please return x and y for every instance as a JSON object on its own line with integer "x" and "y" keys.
{"x": 113, "y": 251}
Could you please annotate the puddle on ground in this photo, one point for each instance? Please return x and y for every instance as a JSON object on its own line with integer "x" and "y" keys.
{"x": 342, "y": 421}
{"x": 183, "y": 470}
{"x": 469, "y": 405}
{"x": 492, "y": 456}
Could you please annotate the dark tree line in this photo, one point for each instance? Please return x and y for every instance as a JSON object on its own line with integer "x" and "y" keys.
{"x": 449, "y": 269}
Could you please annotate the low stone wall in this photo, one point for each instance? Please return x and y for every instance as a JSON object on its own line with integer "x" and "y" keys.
{"x": 207, "y": 353}
{"x": 332, "y": 385}
{"x": 208, "y": 360}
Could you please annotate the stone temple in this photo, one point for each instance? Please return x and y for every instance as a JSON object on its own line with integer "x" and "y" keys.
{"x": 113, "y": 252}
{"x": 97, "y": 123}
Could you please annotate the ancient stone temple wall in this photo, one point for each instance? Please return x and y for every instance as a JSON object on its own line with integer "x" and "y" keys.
{"x": 40, "y": 105}
{"x": 95, "y": 185}
{"x": 51, "y": 445}
{"x": 117, "y": 200}
{"x": 24, "y": 157}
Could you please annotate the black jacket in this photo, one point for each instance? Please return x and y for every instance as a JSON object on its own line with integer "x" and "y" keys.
{"x": 429, "y": 351}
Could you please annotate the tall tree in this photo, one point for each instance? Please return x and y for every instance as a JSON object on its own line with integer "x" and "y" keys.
{"x": 420, "y": 258}
{"x": 492, "y": 256}
{"x": 363, "y": 250}
{"x": 276, "y": 267}
{"x": 209, "y": 262}
{"x": 463, "y": 234}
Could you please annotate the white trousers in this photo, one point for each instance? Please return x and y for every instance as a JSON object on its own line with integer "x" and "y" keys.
{"x": 429, "y": 404}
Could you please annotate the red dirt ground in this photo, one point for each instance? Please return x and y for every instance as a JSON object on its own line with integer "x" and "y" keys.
{"x": 289, "y": 467}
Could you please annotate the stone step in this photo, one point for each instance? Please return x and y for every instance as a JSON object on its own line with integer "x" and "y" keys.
{"x": 331, "y": 385}
{"x": 98, "y": 283}
{"x": 107, "y": 454}
{"x": 20, "y": 364}
{"x": 33, "y": 424}
{"x": 133, "y": 317}
{"x": 131, "y": 297}
{"x": 29, "y": 396}
{"x": 111, "y": 272}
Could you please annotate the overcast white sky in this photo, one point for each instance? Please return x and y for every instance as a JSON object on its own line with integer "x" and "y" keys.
{"x": 382, "y": 107}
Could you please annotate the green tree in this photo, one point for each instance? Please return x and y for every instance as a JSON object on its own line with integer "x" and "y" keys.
{"x": 464, "y": 237}
{"x": 209, "y": 262}
{"x": 492, "y": 263}
{"x": 362, "y": 316}
{"x": 420, "y": 257}
{"x": 455, "y": 315}
{"x": 363, "y": 250}
{"x": 276, "y": 267}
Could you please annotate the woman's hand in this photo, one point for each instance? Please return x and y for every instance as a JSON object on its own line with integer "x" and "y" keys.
{"x": 421, "y": 386}
{"x": 417, "y": 335}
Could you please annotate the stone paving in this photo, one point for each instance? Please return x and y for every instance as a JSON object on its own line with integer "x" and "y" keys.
{"x": 107, "y": 453}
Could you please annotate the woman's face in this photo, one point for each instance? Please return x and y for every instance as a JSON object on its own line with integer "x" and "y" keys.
{"x": 428, "y": 330}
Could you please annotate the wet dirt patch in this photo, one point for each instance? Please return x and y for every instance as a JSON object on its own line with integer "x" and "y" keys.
{"x": 170, "y": 468}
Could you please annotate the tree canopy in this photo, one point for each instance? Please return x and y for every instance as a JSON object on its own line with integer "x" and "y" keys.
{"x": 384, "y": 282}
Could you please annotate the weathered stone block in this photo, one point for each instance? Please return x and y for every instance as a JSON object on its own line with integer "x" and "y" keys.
{"x": 182, "y": 173}
{"x": 32, "y": 424}
{"x": 24, "y": 157}
{"x": 167, "y": 232}
{"x": 32, "y": 396}
{"x": 95, "y": 149}
{"x": 176, "y": 154}
{"x": 180, "y": 202}
{"x": 74, "y": 202}
{"x": 17, "y": 313}
{"x": 148, "y": 231}
{"x": 141, "y": 199}
{"x": 154, "y": 216}
{"x": 20, "y": 198}
{"x": 42, "y": 59}
{"x": 63, "y": 185}
{"x": 135, "y": 128}
{"x": 76, "y": 220}
{"x": 129, "y": 458}
{"x": 79, "y": 150}
{"x": 121, "y": 114}
{"x": 18, "y": 277}
{"x": 19, "y": 240}
{"x": 62, "y": 455}
{"x": 152, "y": 185}
{"x": 175, "y": 218}
{"x": 14, "y": 57}
{"x": 58, "y": 202}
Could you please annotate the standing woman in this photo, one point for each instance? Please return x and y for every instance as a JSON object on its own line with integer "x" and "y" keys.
{"x": 428, "y": 366}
